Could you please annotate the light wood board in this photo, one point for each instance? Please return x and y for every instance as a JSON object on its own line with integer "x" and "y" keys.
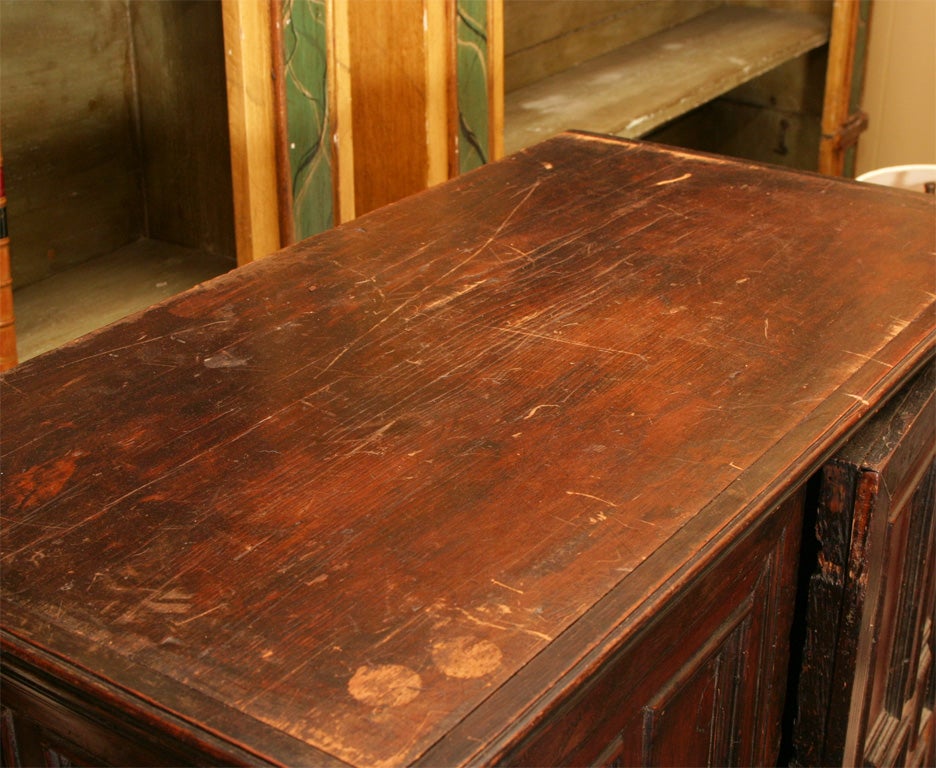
{"x": 630, "y": 91}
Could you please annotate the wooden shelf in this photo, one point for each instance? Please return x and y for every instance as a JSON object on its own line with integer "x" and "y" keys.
{"x": 634, "y": 89}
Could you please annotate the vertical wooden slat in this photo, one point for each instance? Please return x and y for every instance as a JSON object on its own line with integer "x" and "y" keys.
{"x": 439, "y": 30}
{"x": 400, "y": 73}
{"x": 496, "y": 78}
{"x": 840, "y": 121}
{"x": 287, "y": 229}
{"x": 251, "y": 115}
{"x": 388, "y": 97}
{"x": 339, "y": 101}
{"x": 7, "y": 326}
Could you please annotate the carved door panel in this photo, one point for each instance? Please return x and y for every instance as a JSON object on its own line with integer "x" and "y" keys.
{"x": 866, "y": 687}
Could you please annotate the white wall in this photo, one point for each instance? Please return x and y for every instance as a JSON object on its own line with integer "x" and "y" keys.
{"x": 900, "y": 85}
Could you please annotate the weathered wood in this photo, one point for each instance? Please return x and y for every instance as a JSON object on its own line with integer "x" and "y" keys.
{"x": 871, "y": 611}
{"x": 178, "y": 51}
{"x": 403, "y": 491}
{"x": 841, "y": 123}
{"x": 548, "y": 36}
{"x": 634, "y": 89}
{"x": 68, "y": 134}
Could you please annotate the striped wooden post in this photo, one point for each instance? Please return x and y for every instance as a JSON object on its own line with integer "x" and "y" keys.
{"x": 7, "y": 327}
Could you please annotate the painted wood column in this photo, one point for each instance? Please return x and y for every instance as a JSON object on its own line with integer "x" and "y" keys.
{"x": 383, "y": 98}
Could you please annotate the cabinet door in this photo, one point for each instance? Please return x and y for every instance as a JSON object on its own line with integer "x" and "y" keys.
{"x": 704, "y": 684}
{"x": 47, "y": 721}
{"x": 866, "y": 686}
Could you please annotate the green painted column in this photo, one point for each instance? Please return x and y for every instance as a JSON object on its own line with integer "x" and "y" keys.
{"x": 472, "y": 72}
{"x": 305, "y": 58}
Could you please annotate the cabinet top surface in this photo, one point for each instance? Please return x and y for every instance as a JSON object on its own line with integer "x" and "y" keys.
{"x": 415, "y": 469}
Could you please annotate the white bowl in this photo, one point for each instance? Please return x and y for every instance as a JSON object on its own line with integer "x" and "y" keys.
{"x": 901, "y": 176}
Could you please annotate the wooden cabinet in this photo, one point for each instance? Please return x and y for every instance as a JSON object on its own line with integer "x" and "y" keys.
{"x": 509, "y": 472}
{"x": 867, "y": 689}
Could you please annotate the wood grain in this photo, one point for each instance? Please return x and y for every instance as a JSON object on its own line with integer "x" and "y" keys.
{"x": 179, "y": 62}
{"x": 394, "y": 493}
{"x": 72, "y": 167}
{"x": 637, "y": 87}
{"x": 8, "y": 357}
{"x": 251, "y": 128}
{"x": 549, "y": 36}
{"x": 389, "y": 100}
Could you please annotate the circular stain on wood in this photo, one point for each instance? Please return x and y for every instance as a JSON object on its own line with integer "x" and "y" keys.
{"x": 466, "y": 657}
{"x": 385, "y": 685}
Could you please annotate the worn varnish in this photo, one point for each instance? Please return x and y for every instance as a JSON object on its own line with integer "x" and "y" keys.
{"x": 393, "y": 494}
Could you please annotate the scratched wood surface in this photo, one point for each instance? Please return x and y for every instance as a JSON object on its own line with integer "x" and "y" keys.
{"x": 379, "y": 493}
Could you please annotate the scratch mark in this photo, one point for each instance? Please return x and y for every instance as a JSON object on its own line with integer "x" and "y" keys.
{"x": 146, "y": 341}
{"x": 866, "y": 357}
{"x": 533, "y": 410}
{"x": 507, "y": 586}
{"x": 859, "y": 398}
{"x": 673, "y": 181}
{"x": 446, "y": 299}
{"x": 368, "y": 440}
{"x": 509, "y": 625}
{"x": 203, "y": 613}
{"x": 403, "y": 305}
{"x": 766, "y": 326}
{"x": 589, "y": 496}
{"x": 614, "y": 266}
{"x": 252, "y": 547}
{"x": 572, "y": 343}
{"x": 636, "y": 121}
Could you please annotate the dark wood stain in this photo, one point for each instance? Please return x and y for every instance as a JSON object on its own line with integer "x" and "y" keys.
{"x": 390, "y": 493}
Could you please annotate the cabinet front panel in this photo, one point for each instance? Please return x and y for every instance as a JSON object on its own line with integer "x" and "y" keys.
{"x": 703, "y": 685}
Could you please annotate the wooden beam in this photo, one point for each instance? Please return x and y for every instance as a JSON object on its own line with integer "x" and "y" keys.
{"x": 495, "y": 68}
{"x": 339, "y": 108}
{"x": 251, "y": 115}
{"x": 7, "y": 327}
{"x": 840, "y": 127}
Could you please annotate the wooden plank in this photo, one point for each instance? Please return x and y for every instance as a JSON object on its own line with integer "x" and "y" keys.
{"x": 99, "y": 291}
{"x": 495, "y": 84}
{"x": 252, "y": 121}
{"x": 186, "y": 156}
{"x": 840, "y": 101}
{"x": 339, "y": 105}
{"x": 68, "y": 130}
{"x": 548, "y": 36}
{"x": 630, "y": 91}
{"x": 441, "y": 90}
{"x": 388, "y": 100}
{"x": 8, "y": 356}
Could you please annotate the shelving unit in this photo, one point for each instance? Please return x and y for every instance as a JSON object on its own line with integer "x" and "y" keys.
{"x": 631, "y": 90}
